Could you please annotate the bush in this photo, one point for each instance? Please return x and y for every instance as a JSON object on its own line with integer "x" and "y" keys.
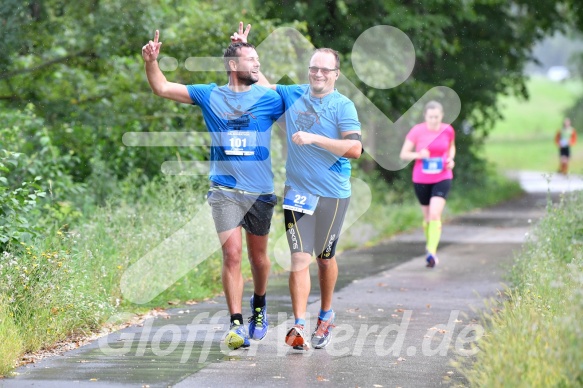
{"x": 30, "y": 161}
{"x": 16, "y": 205}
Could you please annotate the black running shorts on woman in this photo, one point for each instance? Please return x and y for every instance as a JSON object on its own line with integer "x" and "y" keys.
{"x": 424, "y": 191}
{"x": 317, "y": 233}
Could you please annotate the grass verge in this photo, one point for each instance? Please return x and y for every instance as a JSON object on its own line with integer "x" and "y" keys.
{"x": 11, "y": 343}
{"x": 535, "y": 339}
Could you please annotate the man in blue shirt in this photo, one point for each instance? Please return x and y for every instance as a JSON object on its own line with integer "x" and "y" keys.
{"x": 323, "y": 132}
{"x": 239, "y": 117}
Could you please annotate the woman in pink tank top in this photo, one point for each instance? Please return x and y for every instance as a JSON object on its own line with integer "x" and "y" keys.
{"x": 431, "y": 145}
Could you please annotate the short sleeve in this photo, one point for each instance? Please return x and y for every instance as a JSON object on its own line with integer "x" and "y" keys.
{"x": 348, "y": 117}
{"x": 412, "y": 135}
{"x": 283, "y": 90}
{"x": 452, "y": 133}
{"x": 198, "y": 93}
{"x": 278, "y": 107}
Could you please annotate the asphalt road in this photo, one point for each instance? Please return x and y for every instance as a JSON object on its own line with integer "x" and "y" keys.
{"x": 399, "y": 324}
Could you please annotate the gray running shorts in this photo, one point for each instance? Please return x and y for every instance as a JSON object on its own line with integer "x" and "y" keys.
{"x": 232, "y": 208}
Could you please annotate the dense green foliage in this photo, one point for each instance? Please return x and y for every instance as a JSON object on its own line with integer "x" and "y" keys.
{"x": 15, "y": 204}
{"x": 477, "y": 48}
{"x": 79, "y": 64}
{"x": 39, "y": 169}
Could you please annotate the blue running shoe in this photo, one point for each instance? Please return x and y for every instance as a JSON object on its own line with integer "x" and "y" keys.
{"x": 432, "y": 260}
{"x": 237, "y": 336}
{"x": 258, "y": 324}
{"x": 323, "y": 333}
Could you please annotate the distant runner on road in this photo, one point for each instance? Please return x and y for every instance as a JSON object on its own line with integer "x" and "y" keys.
{"x": 432, "y": 145}
{"x": 565, "y": 138}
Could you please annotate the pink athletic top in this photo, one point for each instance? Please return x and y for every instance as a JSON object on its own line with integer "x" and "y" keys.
{"x": 438, "y": 143}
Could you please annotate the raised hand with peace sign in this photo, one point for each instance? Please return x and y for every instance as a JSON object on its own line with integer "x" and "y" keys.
{"x": 241, "y": 35}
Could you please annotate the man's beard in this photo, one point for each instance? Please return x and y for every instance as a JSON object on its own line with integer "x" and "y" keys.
{"x": 246, "y": 78}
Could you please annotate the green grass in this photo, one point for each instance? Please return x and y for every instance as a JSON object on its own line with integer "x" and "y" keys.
{"x": 466, "y": 198}
{"x": 535, "y": 337}
{"x": 48, "y": 293}
{"x": 524, "y": 139}
{"x": 535, "y": 155}
{"x": 11, "y": 344}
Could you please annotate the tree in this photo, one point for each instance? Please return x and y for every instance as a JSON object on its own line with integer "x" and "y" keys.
{"x": 478, "y": 48}
{"x": 80, "y": 65}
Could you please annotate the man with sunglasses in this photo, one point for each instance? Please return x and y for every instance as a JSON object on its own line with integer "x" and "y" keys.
{"x": 323, "y": 133}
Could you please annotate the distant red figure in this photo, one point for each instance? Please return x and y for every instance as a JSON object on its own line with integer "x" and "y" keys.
{"x": 565, "y": 138}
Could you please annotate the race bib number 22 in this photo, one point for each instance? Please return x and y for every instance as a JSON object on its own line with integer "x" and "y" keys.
{"x": 300, "y": 202}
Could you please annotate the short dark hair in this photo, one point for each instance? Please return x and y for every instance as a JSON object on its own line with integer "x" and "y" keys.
{"x": 433, "y": 105}
{"x": 329, "y": 51}
{"x": 233, "y": 51}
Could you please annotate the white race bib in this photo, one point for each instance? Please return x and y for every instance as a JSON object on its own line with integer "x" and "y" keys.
{"x": 432, "y": 165}
{"x": 239, "y": 142}
{"x": 300, "y": 202}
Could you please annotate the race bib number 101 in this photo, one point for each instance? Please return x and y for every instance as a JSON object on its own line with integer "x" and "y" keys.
{"x": 239, "y": 142}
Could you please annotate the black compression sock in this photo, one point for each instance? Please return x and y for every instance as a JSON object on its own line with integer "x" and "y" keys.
{"x": 258, "y": 301}
{"x": 237, "y": 317}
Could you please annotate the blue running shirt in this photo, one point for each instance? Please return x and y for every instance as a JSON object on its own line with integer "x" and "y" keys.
{"x": 240, "y": 127}
{"x": 312, "y": 168}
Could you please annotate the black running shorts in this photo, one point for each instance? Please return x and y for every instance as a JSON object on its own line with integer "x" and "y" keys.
{"x": 424, "y": 191}
{"x": 565, "y": 151}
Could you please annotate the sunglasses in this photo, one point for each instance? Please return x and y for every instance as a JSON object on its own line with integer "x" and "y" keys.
{"x": 315, "y": 69}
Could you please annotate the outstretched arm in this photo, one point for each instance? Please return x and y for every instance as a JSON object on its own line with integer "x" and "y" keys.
{"x": 160, "y": 86}
{"x": 241, "y": 36}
